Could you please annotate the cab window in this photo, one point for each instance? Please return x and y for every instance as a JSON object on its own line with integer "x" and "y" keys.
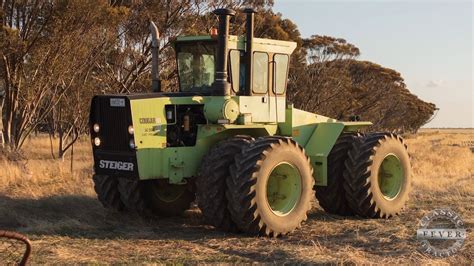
{"x": 196, "y": 66}
{"x": 260, "y": 72}
{"x": 235, "y": 69}
{"x": 280, "y": 72}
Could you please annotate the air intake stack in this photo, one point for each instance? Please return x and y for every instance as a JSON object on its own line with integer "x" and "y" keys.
{"x": 249, "y": 26}
{"x": 221, "y": 86}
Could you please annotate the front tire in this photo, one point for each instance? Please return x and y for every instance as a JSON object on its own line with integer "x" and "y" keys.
{"x": 211, "y": 183}
{"x": 131, "y": 194}
{"x": 165, "y": 199}
{"x": 270, "y": 187}
{"x": 378, "y": 175}
{"x": 107, "y": 191}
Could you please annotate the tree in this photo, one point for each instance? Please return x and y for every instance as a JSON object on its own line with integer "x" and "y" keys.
{"x": 342, "y": 88}
{"x": 56, "y": 54}
{"x": 48, "y": 46}
{"x": 327, "y": 48}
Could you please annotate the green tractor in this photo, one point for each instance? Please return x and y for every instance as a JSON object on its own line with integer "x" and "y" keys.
{"x": 229, "y": 141}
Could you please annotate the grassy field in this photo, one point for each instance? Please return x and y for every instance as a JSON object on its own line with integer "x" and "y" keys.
{"x": 58, "y": 211}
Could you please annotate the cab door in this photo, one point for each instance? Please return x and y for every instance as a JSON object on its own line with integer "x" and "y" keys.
{"x": 258, "y": 103}
{"x": 279, "y": 74}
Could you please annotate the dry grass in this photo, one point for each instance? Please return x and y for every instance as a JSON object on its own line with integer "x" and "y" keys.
{"x": 58, "y": 211}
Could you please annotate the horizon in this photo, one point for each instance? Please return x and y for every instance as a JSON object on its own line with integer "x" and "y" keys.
{"x": 428, "y": 42}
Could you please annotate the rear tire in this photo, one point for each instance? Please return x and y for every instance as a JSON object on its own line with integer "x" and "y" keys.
{"x": 211, "y": 183}
{"x": 106, "y": 188}
{"x": 271, "y": 187}
{"x": 332, "y": 197}
{"x": 378, "y": 175}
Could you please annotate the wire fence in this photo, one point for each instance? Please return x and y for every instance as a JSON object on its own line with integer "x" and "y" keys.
{"x": 15, "y": 248}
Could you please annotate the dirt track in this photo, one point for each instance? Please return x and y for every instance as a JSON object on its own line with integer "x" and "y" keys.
{"x": 67, "y": 224}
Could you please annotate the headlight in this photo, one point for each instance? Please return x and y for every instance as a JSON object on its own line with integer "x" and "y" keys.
{"x": 97, "y": 142}
{"x": 96, "y": 128}
{"x": 132, "y": 144}
{"x": 131, "y": 130}
{"x": 169, "y": 115}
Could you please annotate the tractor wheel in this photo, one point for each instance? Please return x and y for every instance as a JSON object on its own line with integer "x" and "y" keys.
{"x": 332, "y": 197}
{"x": 131, "y": 194}
{"x": 270, "y": 187}
{"x": 377, "y": 175}
{"x": 167, "y": 199}
{"x": 106, "y": 188}
{"x": 211, "y": 182}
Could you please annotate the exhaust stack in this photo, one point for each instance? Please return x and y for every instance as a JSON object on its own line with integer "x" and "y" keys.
{"x": 155, "y": 70}
{"x": 221, "y": 86}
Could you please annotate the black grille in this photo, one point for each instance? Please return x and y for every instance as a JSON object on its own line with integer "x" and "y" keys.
{"x": 114, "y": 122}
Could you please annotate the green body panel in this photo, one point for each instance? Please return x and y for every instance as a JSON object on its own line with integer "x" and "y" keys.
{"x": 316, "y": 133}
{"x": 178, "y": 163}
{"x": 319, "y": 146}
{"x": 155, "y": 160}
{"x": 149, "y": 121}
{"x": 263, "y": 109}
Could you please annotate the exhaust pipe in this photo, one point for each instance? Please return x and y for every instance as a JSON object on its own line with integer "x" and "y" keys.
{"x": 249, "y": 26}
{"x": 221, "y": 86}
{"x": 155, "y": 71}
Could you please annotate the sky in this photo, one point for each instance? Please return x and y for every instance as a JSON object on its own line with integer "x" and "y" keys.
{"x": 429, "y": 42}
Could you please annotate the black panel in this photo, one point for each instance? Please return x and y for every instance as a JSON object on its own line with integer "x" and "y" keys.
{"x": 114, "y": 122}
{"x": 113, "y": 156}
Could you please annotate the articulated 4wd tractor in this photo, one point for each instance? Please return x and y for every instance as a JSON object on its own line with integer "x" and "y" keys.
{"x": 229, "y": 140}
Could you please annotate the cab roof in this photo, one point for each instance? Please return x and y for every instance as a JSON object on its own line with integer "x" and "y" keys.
{"x": 238, "y": 42}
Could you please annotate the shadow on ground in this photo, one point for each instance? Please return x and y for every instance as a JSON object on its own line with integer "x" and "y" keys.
{"x": 82, "y": 217}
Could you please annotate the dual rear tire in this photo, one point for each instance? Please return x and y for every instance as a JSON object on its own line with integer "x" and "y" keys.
{"x": 270, "y": 187}
{"x": 377, "y": 176}
{"x": 331, "y": 197}
{"x": 211, "y": 182}
{"x": 368, "y": 176}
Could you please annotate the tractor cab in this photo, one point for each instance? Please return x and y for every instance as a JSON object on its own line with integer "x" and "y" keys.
{"x": 196, "y": 61}
{"x": 227, "y": 65}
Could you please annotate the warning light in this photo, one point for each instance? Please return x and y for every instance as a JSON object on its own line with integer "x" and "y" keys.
{"x": 213, "y": 32}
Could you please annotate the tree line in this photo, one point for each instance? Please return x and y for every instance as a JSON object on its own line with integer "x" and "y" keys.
{"x": 56, "y": 54}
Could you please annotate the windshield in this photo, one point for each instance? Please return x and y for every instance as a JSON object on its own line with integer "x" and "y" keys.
{"x": 196, "y": 66}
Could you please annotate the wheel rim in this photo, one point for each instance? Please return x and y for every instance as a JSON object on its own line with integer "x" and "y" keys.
{"x": 168, "y": 192}
{"x": 283, "y": 188}
{"x": 390, "y": 176}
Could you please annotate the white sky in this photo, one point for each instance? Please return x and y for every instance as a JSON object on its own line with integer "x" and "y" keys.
{"x": 429, "y": 42}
